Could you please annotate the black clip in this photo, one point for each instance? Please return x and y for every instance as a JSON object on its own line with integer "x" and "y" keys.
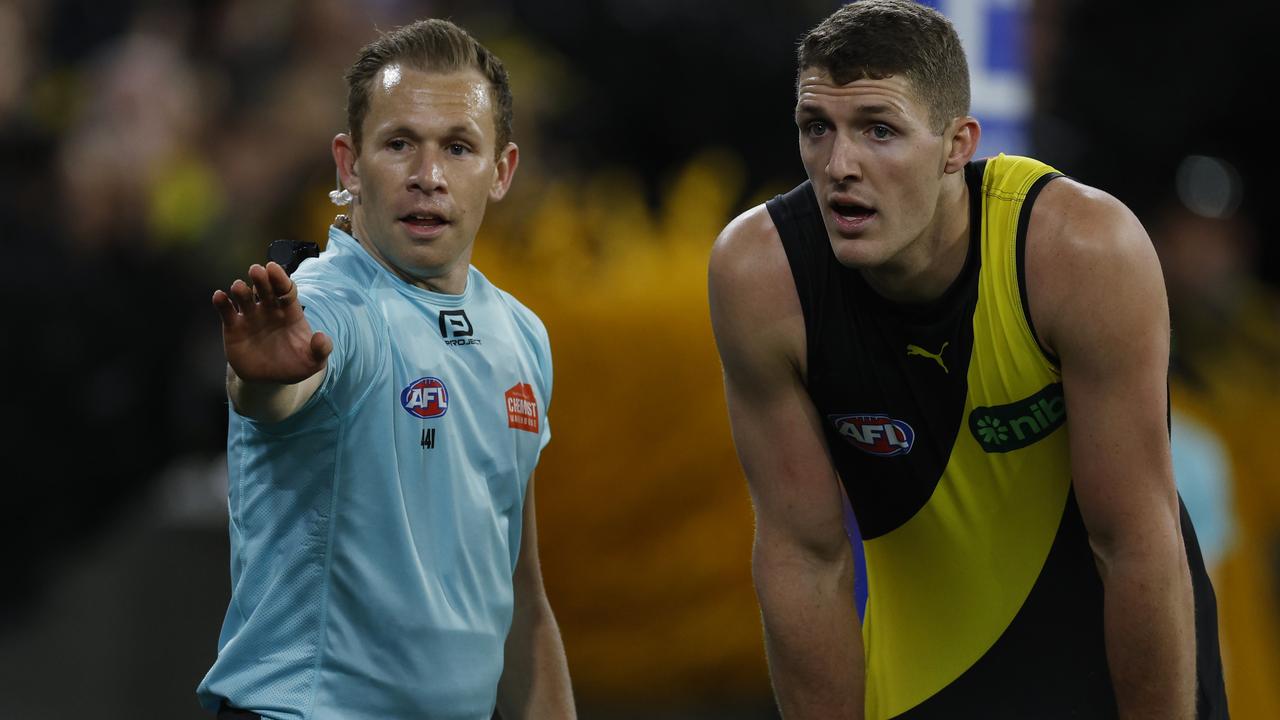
{"x": 289, "y": 254}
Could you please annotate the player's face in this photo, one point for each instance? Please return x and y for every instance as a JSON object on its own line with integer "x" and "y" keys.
{"x": 425, "y": 171}
{"x": 875, "y": 163}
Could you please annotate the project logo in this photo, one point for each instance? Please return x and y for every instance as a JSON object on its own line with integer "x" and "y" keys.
{"x": 456, "y": 328}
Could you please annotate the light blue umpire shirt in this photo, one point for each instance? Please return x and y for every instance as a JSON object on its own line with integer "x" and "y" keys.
{"x": 375, "y": 532}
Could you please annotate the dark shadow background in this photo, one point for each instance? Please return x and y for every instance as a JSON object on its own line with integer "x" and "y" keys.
{"x": 151, "y": 149}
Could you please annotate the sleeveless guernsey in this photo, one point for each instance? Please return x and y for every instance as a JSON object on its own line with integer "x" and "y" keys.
{"x": 947, "y": 425}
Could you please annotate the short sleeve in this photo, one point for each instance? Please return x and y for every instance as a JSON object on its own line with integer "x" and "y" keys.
{"x": 536, "y": 347}
{"x": 544, "y": 365}
{"x": 345, "y": 316}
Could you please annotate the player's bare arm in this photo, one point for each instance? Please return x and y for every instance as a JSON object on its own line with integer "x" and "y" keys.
{"x": 801, "y": 563}
{"x": 274, "y": 361}
{"x": 1097, "y": 298}
{"x": 535, "y": 676}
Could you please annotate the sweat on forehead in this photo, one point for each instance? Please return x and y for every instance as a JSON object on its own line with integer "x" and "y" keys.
{"x": 431, "y": 46}
{"x": 396, "y": 76}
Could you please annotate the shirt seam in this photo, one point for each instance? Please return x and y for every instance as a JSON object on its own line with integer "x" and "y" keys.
{"x": 322, "y": 627}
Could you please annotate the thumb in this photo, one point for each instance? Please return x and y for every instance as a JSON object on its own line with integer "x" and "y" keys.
{"x": 321, "y": 346}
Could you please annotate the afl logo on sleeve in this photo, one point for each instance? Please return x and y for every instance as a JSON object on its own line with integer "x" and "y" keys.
{"x": 425, "y": 398}
{"x": 522, "y": 408}
{"x": 875, "y": 433}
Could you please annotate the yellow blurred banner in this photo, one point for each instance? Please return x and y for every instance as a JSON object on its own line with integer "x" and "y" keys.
{"x": 644, "y": 519}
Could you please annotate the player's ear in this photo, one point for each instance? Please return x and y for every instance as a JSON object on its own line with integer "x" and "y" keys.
{"x": 503, "y": 171}
{"x": 344, "y": 156}
{"x": 962, "y": 135}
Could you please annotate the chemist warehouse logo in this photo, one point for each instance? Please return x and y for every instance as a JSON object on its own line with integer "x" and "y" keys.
{"x": 522, "y": 408}
{"x": 425, "y": 398}
{"x": 875, "y": 433}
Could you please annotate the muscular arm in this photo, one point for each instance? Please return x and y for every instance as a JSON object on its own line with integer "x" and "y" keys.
{"x": 801, "y": 563}
{"x": 274, "y": 362}
{"x": 535, "y": 676}
{"x": 1098, "y": 298}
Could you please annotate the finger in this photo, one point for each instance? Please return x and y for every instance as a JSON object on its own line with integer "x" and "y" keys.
{"x": 321, "y": 346}
{"x": 230, "y": 298}
{"x": 282, "y": 286}
{"x": 242, "y": 295}
{"x": 225, "y": 308}
{"x": 262, "y": 289}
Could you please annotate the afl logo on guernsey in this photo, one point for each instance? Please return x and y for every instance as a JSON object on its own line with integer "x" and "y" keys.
{"x": 425, "y": 398}
{"x": 876, "y": 434}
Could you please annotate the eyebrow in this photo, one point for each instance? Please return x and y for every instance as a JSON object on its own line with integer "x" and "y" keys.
{"x": 879, "y": 110}
{"x": 462, "y": 130}
{"x": 452, "y": 131}
{"x": 395, "y": 130}
{"x": 809, "y": 108}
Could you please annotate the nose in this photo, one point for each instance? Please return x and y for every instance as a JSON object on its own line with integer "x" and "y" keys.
{"x": 429, "y": 175}
{"x": 845, "y": 164}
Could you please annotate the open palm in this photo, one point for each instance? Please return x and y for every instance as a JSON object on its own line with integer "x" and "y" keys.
{"x": 265, "y": 335}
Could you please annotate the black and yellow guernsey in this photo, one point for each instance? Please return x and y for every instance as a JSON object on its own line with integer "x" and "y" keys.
{"x": 947, "y": 425}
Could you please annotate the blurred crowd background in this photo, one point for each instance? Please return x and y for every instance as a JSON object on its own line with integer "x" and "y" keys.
{"x": 150, "y": 150}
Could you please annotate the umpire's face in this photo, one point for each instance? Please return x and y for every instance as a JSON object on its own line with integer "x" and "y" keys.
{"x": 426, "y": 168}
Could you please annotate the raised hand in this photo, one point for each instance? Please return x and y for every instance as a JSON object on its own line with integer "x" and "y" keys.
{"x": 265, "y": 335}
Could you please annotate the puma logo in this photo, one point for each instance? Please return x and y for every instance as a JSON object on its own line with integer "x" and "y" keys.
{"x": 937, "y": 357}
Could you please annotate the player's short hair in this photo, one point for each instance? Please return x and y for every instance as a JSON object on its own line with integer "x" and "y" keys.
{"x": 879, "y": 38}
{"x": 431, "y": 46}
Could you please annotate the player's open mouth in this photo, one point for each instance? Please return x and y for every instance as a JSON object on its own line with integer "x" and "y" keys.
{"x": 851, "y": 216}
{"x": 424, "y": 224}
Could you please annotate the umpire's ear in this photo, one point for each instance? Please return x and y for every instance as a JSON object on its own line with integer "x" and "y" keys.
{"x": 503, "y": 171}
{"x": 344, "y": 156}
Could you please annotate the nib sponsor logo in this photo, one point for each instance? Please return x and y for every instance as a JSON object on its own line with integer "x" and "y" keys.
{"x": 1003, "y": 428}
{"x": 876, "y": 433}
{"x": 425, "y": 398}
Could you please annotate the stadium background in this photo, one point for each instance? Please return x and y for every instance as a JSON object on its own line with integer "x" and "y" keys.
{"x": 151, "y": 149}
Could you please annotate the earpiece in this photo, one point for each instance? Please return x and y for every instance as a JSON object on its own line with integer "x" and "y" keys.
{"x": 340, "y": 196}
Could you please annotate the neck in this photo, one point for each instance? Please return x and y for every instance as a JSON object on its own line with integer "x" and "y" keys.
{"x": 452, "y": 281}
{"x": 931, "y": 263}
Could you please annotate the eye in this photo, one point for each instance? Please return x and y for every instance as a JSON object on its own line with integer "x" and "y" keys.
{"x": 397, "y": 144}
{"x": 816, "y": 128}
{"x": 881, "y": 132}
{"x": 458, "y": 149}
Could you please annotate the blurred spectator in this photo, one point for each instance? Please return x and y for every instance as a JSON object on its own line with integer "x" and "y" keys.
{"x": 162, "y": 151}
{"x": 1225, "y": 381}
{"x": 153, "y": 149}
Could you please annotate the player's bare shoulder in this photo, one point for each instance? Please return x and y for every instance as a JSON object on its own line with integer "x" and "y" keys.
{"x": 746, "y": 248}
{"x": 754, "y": 306}
{"x": 1086, "y": 251}
{"x": 1075, "y": 219}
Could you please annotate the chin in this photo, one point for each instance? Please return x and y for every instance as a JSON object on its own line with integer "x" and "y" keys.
{"x": 421, "y": 269}
{"x": 860, "y": 253}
